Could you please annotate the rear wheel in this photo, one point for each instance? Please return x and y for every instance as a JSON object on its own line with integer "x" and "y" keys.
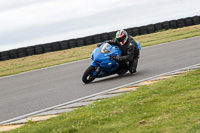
{"x": 122, "y": 72}
{"x": 123, "y": 69}
{"x": 88, "y": 74}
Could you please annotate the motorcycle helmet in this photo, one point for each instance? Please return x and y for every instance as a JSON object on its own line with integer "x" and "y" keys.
{"x": 122, "y": 36}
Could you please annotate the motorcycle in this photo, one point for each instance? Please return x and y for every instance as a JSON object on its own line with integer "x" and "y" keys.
{"x": 102, "y": 64}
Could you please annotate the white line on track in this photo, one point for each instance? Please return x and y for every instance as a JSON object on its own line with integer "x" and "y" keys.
{"x": 83, "y": 98}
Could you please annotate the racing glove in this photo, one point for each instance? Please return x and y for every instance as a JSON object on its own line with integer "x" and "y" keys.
{"x": 99, "y": 44}
{"x": 112, "y": 57}
{"x": 117, "y": 59}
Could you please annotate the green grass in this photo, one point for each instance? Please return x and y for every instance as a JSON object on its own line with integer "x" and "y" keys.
{"x": 19, "y": 65}
{"x": 169, "y": 106}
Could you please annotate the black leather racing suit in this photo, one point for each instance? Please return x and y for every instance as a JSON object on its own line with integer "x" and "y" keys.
{"x": 130, "y": 52}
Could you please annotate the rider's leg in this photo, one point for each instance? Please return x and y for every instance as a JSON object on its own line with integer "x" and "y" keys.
{"x": 133, "y": 63}
{"x": 123, "y": 68}
{"x": 133, "y": 66}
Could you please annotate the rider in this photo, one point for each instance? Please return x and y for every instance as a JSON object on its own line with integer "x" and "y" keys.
{"x": 129, "y": 48}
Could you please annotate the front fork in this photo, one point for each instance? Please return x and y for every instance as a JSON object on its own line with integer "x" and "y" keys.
{"x": 97, "y": 71}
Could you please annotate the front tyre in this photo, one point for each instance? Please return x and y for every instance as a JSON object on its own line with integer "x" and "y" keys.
{"x": 88, "y": 75}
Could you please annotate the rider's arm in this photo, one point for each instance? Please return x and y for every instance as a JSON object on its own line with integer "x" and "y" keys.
{"x": 130, "y": 53}
{"x": 112, "y": 42}
{"x": 131, "y": 49}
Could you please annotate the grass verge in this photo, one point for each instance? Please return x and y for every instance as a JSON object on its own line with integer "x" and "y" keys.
{"x": 167, "y": 106}
{"x": 15, "y": 66}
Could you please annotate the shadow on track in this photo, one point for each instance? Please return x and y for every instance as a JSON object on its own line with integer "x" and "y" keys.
{"x": 113, "y": 77}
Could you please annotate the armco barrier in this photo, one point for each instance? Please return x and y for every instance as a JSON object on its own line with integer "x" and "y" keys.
{"x": 55, "y": 46}
{"x": 5, "y": 55}
{"x": 135, "y": 31}
{"x": 30, "y": 50}
{"x": 80, "y": 42}
{"x": 188, "y": 21}
{"x": 21, "y": 52}
{"x": 180, "y": 23}
{"x": 72, "y": 43}
{"x": 104, "y": 36}
{"x": 47, "y": 48}
{"x": 166, "y": 25}
{"x": 158, "y": 26}
{"x": 89, "y": 40}
{"x": 129, "y": 31}
{"x": 39, "y": 49}
{"x": 173, "y": 24}
{"x": 143, "y": 30}
{"x": 150, "y": 28}
{"x": 64, "y": 45}
{"x": 97, "y": 38}
{"x": 196, "y": 20}
{"x": 13, "y": 54}
{"x": 112, "y": 35}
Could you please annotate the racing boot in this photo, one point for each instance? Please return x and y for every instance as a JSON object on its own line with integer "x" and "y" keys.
{"x": 133, "y": 66}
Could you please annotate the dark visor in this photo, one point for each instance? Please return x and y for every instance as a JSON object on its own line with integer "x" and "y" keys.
{"x": 121, "y": 39}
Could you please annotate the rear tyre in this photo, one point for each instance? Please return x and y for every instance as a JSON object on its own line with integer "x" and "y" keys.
{"x": 88, "y": 75}
{"x": 122, "y": 72}
{"x": 123, "y": 69}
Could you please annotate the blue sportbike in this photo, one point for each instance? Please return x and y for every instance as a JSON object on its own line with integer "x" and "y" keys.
{"x": 102, "y": 64}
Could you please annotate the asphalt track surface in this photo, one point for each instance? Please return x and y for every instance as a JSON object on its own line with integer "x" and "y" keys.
{"x": 32, "y": 91}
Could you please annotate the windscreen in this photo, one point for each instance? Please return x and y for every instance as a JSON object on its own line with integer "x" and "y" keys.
{"x": 106, "y": 48}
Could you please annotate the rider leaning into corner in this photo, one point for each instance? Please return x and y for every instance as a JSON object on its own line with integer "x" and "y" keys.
{"x": 129, "y": 48}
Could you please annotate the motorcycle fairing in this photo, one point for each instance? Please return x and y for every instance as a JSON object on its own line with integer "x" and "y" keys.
{"x": 102, "y": 60}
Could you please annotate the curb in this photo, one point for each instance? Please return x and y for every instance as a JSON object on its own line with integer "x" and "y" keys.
{"x": 78, "y": 103}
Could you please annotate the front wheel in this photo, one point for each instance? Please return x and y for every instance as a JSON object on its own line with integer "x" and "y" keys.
{"x": 88, "y": 75}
